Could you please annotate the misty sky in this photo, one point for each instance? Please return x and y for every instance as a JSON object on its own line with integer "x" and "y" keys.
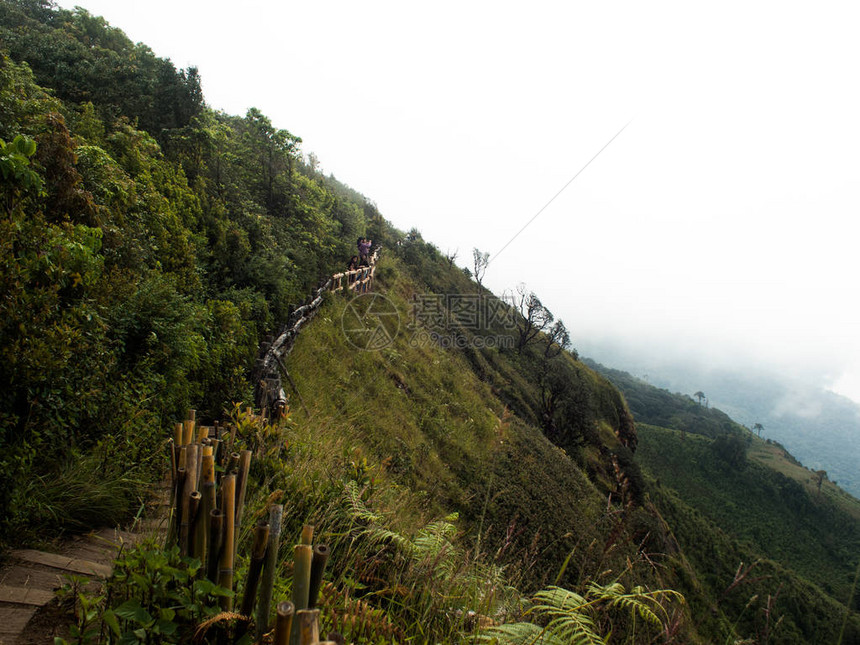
{"x": 718, "y": 227}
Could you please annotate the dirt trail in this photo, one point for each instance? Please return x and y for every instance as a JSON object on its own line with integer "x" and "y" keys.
{"x": 30, "y": 612}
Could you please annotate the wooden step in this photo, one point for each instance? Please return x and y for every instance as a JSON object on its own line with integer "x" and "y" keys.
{"x": 25, "y": 596}
{"x": 72, "y": 565}
{"x": 13, "y": 620}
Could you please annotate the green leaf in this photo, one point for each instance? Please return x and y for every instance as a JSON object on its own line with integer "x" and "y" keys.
{"x": 111, "y": 621}
{"x": 129, "y": 638}
{"x": 131, "y": 610}
{"x": 247, "y": 639}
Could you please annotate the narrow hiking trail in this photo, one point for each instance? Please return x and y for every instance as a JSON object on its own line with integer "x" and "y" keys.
{"x": 30, "y": 610}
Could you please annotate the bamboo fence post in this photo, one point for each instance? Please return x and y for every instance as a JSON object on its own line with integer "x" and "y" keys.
{"x": 176, "y": 506}
{"x": 198, "y": 451}
{"x": 178, "y": 436}
{"x": 202, "y": 433}
{"x": 258, "y": 556}
{"x": 189, "y": 487}
{"x": 216, "y": 537}
{"x": 233, "y": 463}
{"x": 174, "y": 463}
{"x": 207, "y": 503}
{"x": 284, "y": 622}
{"x": 228, "y": 505}
{"x": 188, "y": 427}
{"x": 302, "y": 557}
{"x": 308, "y": 623}
{"x": 241, "y": 487}
{"x": 320, "y": 559}
{"x": 194, "y": 508}
{"x": 307, "y": 537}
{"x": 276, "y": 512}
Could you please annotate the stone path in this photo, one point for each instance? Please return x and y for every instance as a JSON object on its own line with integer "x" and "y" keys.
{"x": 28, "y": 581}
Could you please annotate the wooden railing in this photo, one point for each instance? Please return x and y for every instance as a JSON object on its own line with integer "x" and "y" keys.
{"x": 269, "y": 393}
{"x": 359, "y": 280}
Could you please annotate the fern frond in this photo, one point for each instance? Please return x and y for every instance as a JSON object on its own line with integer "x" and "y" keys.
{"x": 558, "y": 599}
{"x": 645, "y": 604}
{"x": 569, "y": 614}
{"x": 359, "y": 508}
{"x": 520, "y": 634}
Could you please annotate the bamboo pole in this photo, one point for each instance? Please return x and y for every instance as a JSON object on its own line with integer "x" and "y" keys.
{"x": 258, "y": 556}
{"x": 190, "y": 485}
{"x": 207, "y": 503}
{"x": 203, "y": 524}
{"x": 308, "y": 626}
{"x": 176, "y": 507}
{"x": 188, "y": 428}
{"x": 198, "y": 456}
{"x": 276, "y": 512}
{"x": 228, "y": 505}
{"x": 216, "y": 538}
{"x": 320, "y": 559}
{"x": 174, "y": 463}
{"x": 207, "y": 469}
{"x": 202, "y": 433}
{"x": 184, "y": 521}
{"x": 302, "y": 557}
{"x": 233, "y": 463}
{"x": 284, "y": 622}
{"x": 193, "y": 519}
{"x": 241, "y": 486}
{"x": 192, "y": 467}
{"x": 307, "y": 537}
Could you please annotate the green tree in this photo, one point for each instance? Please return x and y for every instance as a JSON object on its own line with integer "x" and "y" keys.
{"x": 272, "y": 153}
{"x": 731, "y": 449}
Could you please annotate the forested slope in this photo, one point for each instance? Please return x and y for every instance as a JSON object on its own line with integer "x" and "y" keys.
{"x": 147, "y": 243}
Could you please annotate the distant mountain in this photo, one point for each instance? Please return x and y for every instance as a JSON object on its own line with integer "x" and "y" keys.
{"x": 820, "y": 428}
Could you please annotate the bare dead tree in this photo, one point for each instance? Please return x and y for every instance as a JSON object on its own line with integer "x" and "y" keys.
{"x": 481, "y": 259}
{"x": 533, "y": 319}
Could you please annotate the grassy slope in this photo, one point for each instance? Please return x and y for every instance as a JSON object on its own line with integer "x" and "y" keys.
{"x": 452, "y": 427}
{"x": 439, "y": 430}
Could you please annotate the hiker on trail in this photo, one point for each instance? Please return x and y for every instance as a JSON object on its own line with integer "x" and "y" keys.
{"x": 363, "y": 250}
{"x": 353, "y": 263}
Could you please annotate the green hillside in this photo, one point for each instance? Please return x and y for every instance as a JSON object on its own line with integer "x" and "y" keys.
{"x": 733, "y": 497}
{"x": 470, "y": 474}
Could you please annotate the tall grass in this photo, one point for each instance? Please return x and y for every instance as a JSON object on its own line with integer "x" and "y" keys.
{"x": 85, "y": 492}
